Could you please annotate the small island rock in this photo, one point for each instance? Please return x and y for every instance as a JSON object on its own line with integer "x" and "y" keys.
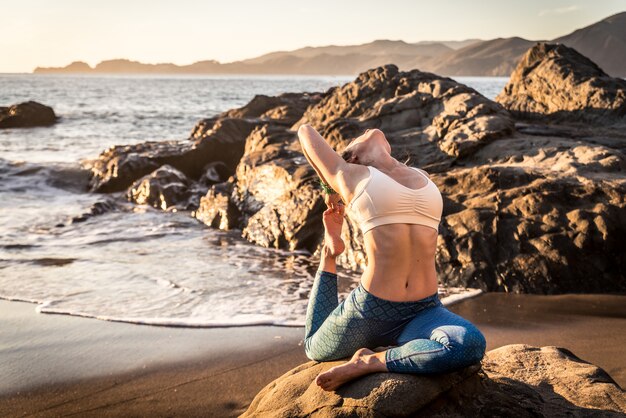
{"x": 26, "y": 115}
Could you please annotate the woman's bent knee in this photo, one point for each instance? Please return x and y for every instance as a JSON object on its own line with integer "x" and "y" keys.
{"x": 475, "y": 345}
{"x": 466, "y": 344}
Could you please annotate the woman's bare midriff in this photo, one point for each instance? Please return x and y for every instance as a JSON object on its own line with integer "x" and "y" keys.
{"x": 400, "y": 262}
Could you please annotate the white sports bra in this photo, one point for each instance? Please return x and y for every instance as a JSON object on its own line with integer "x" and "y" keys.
{"x": 380, "y": 200}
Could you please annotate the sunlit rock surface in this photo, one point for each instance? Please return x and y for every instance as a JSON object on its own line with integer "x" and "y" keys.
{"x": 556, "y": 81}
{"x": 164, "y": 188}
{"x": 410, "y": 106}
{"x": 515, "y": 381}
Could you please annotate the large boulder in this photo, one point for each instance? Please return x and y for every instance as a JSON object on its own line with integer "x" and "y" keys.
{"x": 277, "y": 192}
{"x": 515, "y": 380}
{"x": 26, "y": 115}
{"x": 557, "y": 82}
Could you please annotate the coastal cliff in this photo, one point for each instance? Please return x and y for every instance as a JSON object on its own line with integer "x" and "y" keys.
{"x": 529, "y": 207}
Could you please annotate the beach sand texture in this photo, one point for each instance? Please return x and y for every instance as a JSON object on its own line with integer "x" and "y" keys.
{"x": 55, "y": 365}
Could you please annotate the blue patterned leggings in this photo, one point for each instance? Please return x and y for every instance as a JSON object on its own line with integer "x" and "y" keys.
{"x": 428, "y": 338}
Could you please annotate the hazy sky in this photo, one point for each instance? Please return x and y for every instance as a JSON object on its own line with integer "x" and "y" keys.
{"x": 57, "y": 32}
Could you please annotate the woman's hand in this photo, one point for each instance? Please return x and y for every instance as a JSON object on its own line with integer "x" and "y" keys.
{"x": 333, "y": 201}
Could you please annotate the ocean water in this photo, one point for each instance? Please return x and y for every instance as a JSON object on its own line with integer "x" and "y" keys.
{"x": 137, "y": 264}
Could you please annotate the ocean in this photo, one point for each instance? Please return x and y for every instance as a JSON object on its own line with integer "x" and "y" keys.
{"x": 138, "y": 264}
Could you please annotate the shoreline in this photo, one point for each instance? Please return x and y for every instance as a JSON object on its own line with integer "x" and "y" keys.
{"x": 452, "y": 297}
{"x": 57, "y": 364}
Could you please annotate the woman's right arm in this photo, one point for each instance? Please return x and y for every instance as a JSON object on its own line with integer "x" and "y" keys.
{"x": 325, "y": 161}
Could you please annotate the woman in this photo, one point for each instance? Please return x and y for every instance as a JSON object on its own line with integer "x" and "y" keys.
{"x": 396, "y": 304}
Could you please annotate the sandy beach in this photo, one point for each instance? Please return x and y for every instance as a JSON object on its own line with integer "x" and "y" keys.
{"x": 55, "y": 365}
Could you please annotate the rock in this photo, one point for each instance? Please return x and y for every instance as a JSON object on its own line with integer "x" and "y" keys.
{"x": 515, "y": 380}
{"x": 514, "y": 229}
{"x": 217, "y": 210}
{"x": 273, "y": 196}
{"x": 284, "y": 109}
{"x": 535, "y": 211}
{"x": 215, "y": 172}
{"x": 119, "y": 166}
{"x": 26, "y": 115}
{"x": 164, "y": 188}
{"x": 555, "y": 81}
{"x": 104, "y": 206}
{"x": 216, "y": 140}
{"x": 410, "y": 107}
{"x": 276, "y": 191}
{"x": 225, "y": 141}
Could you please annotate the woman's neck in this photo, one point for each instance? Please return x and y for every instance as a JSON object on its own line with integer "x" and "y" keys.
{"x": 387, "y": 165}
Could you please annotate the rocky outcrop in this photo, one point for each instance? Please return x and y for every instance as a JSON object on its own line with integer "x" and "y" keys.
{"x": 216, "y": 208}
{"x": 101, "y": 207}
{"x": 273, "y": 196}
{"x": 410, "y": 107}
{"x": 535, "y": 208}
{"x": 526, "y": 230}
{"x": 119, "y": 166}
{"x": 27, "y": 114}
{"x": 555, "y": 81}
{"x": 538, "y": 211}
{"x": 515, "y": 380}
{"x": 220, "y": 139}
{"x": 275, "y": 190}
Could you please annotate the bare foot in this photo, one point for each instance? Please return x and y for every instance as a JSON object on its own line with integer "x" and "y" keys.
{"x": 363, "y": 362}
{"x": 333, "y": 221}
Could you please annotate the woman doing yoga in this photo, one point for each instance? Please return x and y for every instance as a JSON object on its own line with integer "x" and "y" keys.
{"x": 396, "y": 303}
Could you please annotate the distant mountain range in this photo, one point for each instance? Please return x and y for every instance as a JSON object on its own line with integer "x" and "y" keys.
{"x": 604, "y": 42}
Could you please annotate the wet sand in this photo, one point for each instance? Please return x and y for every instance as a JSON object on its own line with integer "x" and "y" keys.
{"x": 54, "y": 365}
